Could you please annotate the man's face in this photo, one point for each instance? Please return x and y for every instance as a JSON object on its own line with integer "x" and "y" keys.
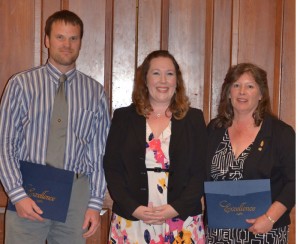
{"x": 64, "y": 45}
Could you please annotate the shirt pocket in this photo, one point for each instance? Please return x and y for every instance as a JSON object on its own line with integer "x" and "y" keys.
{"x": 84, "y": 126}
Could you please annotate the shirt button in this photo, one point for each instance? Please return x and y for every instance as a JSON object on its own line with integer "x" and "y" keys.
{"x": 59, "y": 120}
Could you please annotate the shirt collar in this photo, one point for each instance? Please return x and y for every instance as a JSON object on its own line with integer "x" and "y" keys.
{"x": 55, "y": 73}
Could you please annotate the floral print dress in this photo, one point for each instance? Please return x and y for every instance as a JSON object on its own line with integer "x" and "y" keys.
{"x": 173, "y": 230}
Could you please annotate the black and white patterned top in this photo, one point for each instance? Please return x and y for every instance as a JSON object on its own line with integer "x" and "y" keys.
{"x": 226, "y": 167}
{"x": 224, "y": 164}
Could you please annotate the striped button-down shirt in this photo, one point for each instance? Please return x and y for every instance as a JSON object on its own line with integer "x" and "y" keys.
{"x": 25, "y": 113}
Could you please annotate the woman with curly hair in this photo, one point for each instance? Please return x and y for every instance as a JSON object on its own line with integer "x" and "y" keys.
{"x": 247, "y": 142}
{"x": 154, "y": 159}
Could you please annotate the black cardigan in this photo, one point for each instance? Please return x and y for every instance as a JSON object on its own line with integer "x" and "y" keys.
{"x": 275, "y": 161}
{"x": 125, "y": 170}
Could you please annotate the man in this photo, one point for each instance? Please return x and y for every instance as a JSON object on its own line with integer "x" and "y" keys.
{"x": 25, "y": 118}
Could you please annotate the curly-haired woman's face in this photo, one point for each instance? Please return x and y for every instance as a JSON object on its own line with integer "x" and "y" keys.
{"x": 245, "y": 94}
{"x": 161, "y": 80}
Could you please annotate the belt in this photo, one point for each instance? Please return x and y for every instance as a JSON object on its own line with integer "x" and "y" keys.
{"x": 157, "y": 170}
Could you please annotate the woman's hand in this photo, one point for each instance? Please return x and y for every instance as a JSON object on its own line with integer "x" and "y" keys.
{"x": 162, "y": 213}
{"x": 263, "y": 224}
{"x": 145, "y": 214}
{"x": 260, "y": 225}
{"x": 155, "y": 215}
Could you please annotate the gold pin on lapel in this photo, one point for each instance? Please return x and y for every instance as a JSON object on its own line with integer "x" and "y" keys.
{"x": 261, "y": 145}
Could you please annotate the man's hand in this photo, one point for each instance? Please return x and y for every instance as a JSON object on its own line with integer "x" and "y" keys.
{"x": 91, "y": 222}
{"x": 27, "y": 208}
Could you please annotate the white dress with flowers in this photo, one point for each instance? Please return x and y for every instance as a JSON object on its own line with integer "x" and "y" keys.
{"x": 174, "y": 230}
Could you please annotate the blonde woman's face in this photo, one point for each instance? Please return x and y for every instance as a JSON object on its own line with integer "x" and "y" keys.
{"x": 161, "y": 80}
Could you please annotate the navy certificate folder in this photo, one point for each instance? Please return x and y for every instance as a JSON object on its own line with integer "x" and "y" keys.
{"x": 230, "y": 203}
{"x": 49, "y": 187}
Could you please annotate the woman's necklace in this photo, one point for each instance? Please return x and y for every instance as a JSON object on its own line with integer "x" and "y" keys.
{"x": 157, "y": 115}
{"x": 161, "y": 114}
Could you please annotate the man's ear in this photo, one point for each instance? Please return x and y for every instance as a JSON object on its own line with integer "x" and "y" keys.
{"x": 46, "y": 41}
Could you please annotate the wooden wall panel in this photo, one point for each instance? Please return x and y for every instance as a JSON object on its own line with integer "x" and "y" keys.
{"x": 288, "y": 91}
{"x": 108, "y": 52}
{"x": 38, "y": 39}
{"x": 165, "y": 6}
{"x": 124, "y": 55}
{"x": 17, "y": 42}
{"x": 287, "y": 98}
{"x": 3, "y": 197}
{"x": 2, "y": 225}
{"x": 222, "y": 26}
{"x": 17, "y": 29}
{"x": 257, "y": 21}
{"x": 235, "y": 31}
{"x": 186, "y": 43}
{"x": 17, "y": 38}
{"x": 149, "y": 28}
{"x": 48, "y": 7}
{"x": 91, "y": 58}
{"x": 277, "y": 56}
{"x": 208, "y": 60}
